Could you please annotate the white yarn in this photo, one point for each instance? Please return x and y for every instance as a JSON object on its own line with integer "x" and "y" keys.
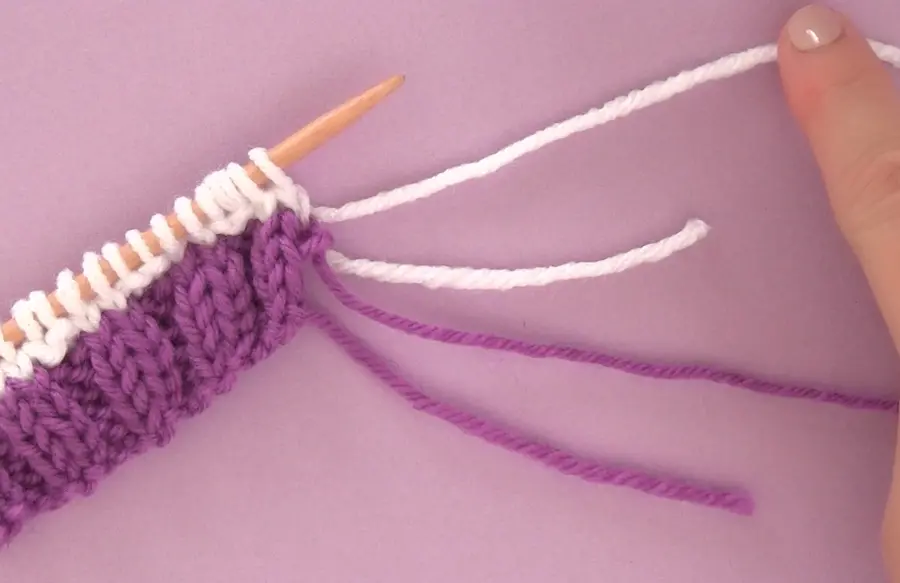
{"x": 471, "y": 278}
{"x": 171, "y": 246}
{"x": 46, "y": 335}
{"x": 228, "y": 198}
{"x": 619, "y": 107}
{"x": 84, "y": 315}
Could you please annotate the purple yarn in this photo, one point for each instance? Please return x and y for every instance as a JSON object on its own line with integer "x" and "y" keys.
{"x": 586, "y": 356}
{"x": 560, "y": 460}
{"x": 222, "y": 309}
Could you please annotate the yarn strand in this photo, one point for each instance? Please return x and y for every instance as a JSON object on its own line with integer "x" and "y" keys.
{"x": 593, "y": 471}
{"x": 617, "y": 108}
{"x": 474, "y": 278}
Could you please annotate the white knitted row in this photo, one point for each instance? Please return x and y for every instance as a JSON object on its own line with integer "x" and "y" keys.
{"x": 228, "y": 198}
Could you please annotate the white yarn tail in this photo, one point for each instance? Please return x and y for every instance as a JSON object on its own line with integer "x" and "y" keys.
{"x": 472, "y": 278}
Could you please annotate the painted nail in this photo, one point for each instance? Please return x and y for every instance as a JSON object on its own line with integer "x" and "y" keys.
{"x": 813, "y": 27}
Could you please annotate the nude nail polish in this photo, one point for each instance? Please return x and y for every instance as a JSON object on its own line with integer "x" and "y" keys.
{"x": 813, "y": 27}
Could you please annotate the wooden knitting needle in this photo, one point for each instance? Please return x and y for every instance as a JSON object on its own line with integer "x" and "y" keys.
{"x": 284, "y": 154}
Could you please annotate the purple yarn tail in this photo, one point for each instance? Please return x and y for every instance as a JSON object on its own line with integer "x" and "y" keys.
{"x": 733, "y": 500}
{"x": 580, "y": 355}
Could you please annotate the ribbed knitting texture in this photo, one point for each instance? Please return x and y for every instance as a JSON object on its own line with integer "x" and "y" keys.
{"x": 222, "y": 309}
{"x": 123, "y": 388}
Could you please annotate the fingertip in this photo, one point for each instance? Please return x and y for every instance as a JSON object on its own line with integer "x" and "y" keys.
{"x": 844, "y": 100}
{"x": 820, "y": 51}
{"x": 792, "y": 73}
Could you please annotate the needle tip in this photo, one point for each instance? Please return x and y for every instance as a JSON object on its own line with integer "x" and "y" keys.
{"x": 393, "y": 83}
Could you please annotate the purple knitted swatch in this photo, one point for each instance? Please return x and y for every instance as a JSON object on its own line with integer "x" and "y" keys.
{"x": 222, "y": 309}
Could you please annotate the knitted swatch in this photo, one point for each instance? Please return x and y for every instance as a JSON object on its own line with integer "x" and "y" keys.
{"x": 87, "y": 391}
{"x": 222, "y": 309}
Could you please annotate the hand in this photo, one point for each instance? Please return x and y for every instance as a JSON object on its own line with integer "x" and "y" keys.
{"x": 844, "y": 100}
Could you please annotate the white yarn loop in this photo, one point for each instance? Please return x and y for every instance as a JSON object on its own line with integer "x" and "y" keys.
{"x": 84, "y": 315}
{"x": 25, "y": 320}
{"x": 196, "y": 230}
{"x": 132, "y": 281}
{"x": 43, "y": 311}
{"x": 152, "y": 266}
{"x": 38, "y": 345}
{"x": 110, "y": 252}
{"x": 136, "y": 241}
{"x": 205, "y": 197}
{"x": 289, "y": 194}
{"x": 170, "y": 244}
{"x": 262, "y": 202}
{"x": 108, "y": 297}
{"x": 19, "y": 366}
{"x": 7, "y": 350}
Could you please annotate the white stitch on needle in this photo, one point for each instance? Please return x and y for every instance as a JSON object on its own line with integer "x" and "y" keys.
{"x": 229, "y": 199}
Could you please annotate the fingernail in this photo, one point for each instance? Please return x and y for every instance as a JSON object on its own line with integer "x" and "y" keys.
{"x": 813, "y": 27}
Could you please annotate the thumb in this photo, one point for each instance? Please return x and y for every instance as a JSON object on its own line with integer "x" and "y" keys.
{"x": 844, "y": 101}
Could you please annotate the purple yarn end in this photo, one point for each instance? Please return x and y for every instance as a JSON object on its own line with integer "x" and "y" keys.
{"x": 565, "y": 462}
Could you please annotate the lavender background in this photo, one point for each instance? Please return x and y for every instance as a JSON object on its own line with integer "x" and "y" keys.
{"x": 309, "y": 470}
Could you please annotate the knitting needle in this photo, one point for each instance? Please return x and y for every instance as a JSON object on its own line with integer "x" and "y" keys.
{"x": 284, "y": 154}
